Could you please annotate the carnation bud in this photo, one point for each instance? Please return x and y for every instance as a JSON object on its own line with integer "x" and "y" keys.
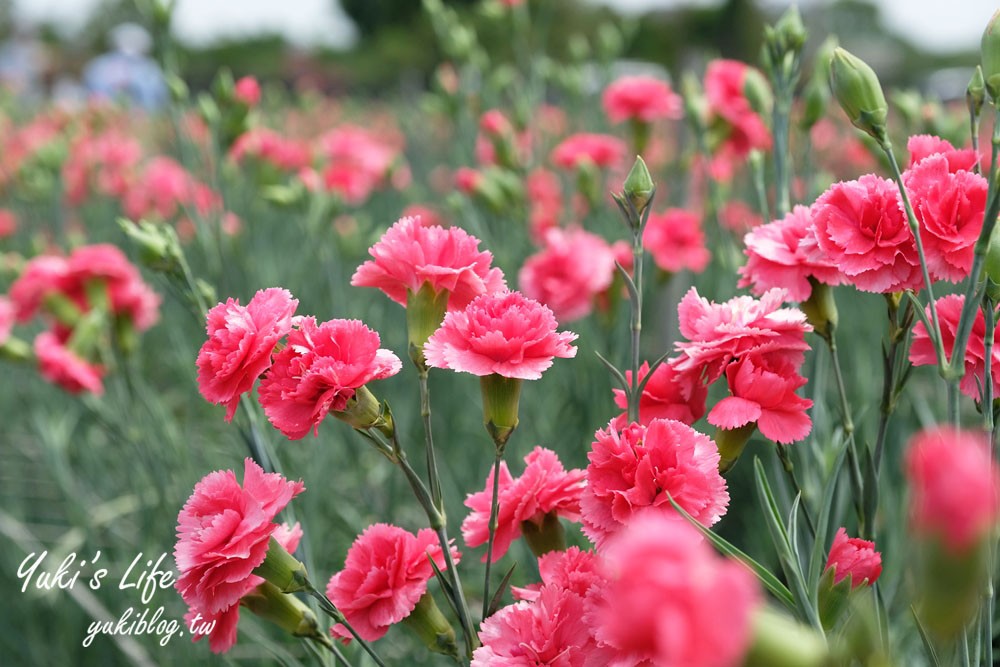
{"x": 853, "y": 564}
{"x": 501, "y": 396}
{"x": 544, "y": 536}
{"x": 990, "y": 55}
{"x": 731, "y": 444}
{"x": 779, "y": 641}
{"x": 15, "y": 349}
{"x": 158, "y": 245}
{"x": 975, "y": 92}
{"x": 427, "y": 621}
{"x": 758, "y": 92}
{"x": 363, "y": 411}
{"x": 425, "y": 310}
{"x": 285, "y": 611}
{"x": 821, "y": 309}
{"x": 859, "y": 93}
{"x": 638, "y": 187}
{"x": 790, "y": 31}
{"x": 282, "y": 569}
{"x": 695, "y": 106}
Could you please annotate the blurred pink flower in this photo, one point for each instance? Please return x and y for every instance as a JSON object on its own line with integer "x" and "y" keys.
{"x": 667, "y": 395}
{"x": 949, "y": 309}
{"x": 642, "y": 98}
{"x": 267, "y": 145}
{"x": 129, "y": 296}
{"x": 600, "y": 150}
{"x": 384, "y": 576}
{"x": 861, "y": 227}
{"x": 223, "y": 533}
{"x": 410, "y": 255}
{"x": 725, "y": 91}
{"x": 42, "y": 275}
{"x": 240, "y": 343}
{"x": 855, "y": 558}
{"x": 7, "y": 318}
{"x": 573, "y": 570}
{"x": 783, "y": 253}
{"x": 494, "y": 123}
{"x": 543, "y": 488}
{"x": 426, "y": 214}
{"x": 247, "y": 91}
{"x": 763, "y": 392}
{"x": 504, "y": 333}
{"x": 676, "y": 241}
{"x": 545, "y": 194}
{"x": 953, "y": 485}
{"x": 319, "y": 370}
{"x": 671, "y": 600}
{"x": 568, "y": 273}
{"x": 468, "y": 180}
{"x": 8, "y": 223}
{"x": 60, "y": 365}
{"x": 163, "y": 189}
{"x": 950, "y": 208}
{"x": 635, "y": 469}
{"x": 739, "y": 217}
{"x": 717, "y": 333}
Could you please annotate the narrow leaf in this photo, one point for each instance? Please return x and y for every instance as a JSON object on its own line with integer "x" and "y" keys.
{"x": 445, "y": 586}
{"x": 614, "y": 372}
{"x": 928, "y": 646}
{"x": 649, "y": 373}
{"x": 823, "y": 523}
{"x": 498, "y": 595}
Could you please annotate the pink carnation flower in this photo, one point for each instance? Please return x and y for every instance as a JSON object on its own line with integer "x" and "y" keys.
{"x": 247, "y": 91}
{"x": 223, "y": 533}
{"x": 545, "y": 194}
{"x": 717, "y": 333}
{"x": 949, "y": 309}
{"x": 949, "y": 207}
{"x": 569, "y": 272}
{"x": 600, "y": 150}
{"x": 643, "y": 98}
{"x": 8, "y": 223}
{"x": 637, "y": 468}
{"x": 783, "y": 253}
{"x": 543, "y": 488}
{"x": 240, "y": 342}
{"x": 725, "y": 82}
{"x": 7, "y": 319}
{"x": 739, "y": 217}
{"x": 410, "y": 255}
{"x": 861, "y": 227}
{"x": 764, "y": 393}
{"x": 319, "y": 370}
{"x": 222, "y": 635}
{"x": 667, "y": 395}
{"x": 60, "y": 365}
{"x": 676, "y": 241}
{"x": 670, "y": 599}
{"x": 855, "y": 558}
{"x": 505, "y": 334}
{"x": 922, "y": 146}
{"x": 384, "y": 576}
{"x": 953, "y": 483}
{"x": 573, "y": 570}
{"x": 41, "y": 276}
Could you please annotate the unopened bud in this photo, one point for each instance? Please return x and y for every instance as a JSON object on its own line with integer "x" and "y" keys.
{"x": 859, "y": 93}
{"x": 158, "y": 245}
{"x": 731, "y": 444}
{"x": 285, "y": 611}
{"x": 758, "y": 92}
{"x": 975, "y": 92}
{"x": 638, "y": 187}
{"x": 501, "y": 398}
{"x": 990, "y": 57}
{"x": 282, "y": 569}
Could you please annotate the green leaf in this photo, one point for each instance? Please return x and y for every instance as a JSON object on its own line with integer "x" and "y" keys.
{"x": 928, "y": 645}
{"x": 449, "y": 592}
{"x": 498, "y": 595}
{"x": 770, "y": 582}
{"x": 823, "y": 523}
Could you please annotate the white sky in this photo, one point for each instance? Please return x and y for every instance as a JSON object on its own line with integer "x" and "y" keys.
{"x": 938, "y": 24}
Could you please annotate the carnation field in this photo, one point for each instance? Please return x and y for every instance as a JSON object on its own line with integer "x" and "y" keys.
{"x": 703, "y": 358}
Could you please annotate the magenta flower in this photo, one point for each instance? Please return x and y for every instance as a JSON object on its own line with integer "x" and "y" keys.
{"x": 861, "y": 227}
{"x": 667, "y": 395}
{"x": 569, "y": 272}
{"x": 410, "y": 255}
{"x": 505, "y": 334}
{"x": 223, "y": 533}
{"x": 543, "y": 488}
{"x": 764, "y": 393}
{"x": 671, "y": 600}
{"x": 319, "y": 370}
{"x": 600, "y": 150}
{"x": 854, "y": 559}
{"x": 61, "y": 366}
{"x": 676, "y": 241}
{"x": 953, "y": 484}
{"x": 240, "y": 343}
{"x": 784, "y": 253}
{"x": 640, "y": 467}
{"x": 384, "y": 576}
{"x": 642, "y": 98}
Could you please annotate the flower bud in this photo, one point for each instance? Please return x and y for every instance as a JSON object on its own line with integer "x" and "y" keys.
{"x": 363, "y": 411}
{"x": 424, "y": 312}
{"x": 695, "y": 105}
{"x": 790, "y": 32}
{"x": 158, "y": 245}
{"x": 731, "y": 444}
{"x": 975, "y": 92}
{"x": 15, "y": 349}
{"x": 821, "y": 309}
{"x": 427, "y": 621}
{"x": 990, "y": 57}
{"x": 758, "y": 92}
{"x": 545, "y": 536}
{"x": 501, "y": 397}
{"x": 282, "y": 569}
{"x": 853, "y": 563}
{"x": 285, "y": 611}
{"x": 859, "y": 93}
{"x": 638, "y": 187}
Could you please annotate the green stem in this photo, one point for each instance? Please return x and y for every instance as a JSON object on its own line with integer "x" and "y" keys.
{"x": 425, "y": 413}
{"x": 759, "y": 184}
{"x": 330, "y": 610}
{"x": 897, "y": 335}
{"x": 789, "y": 468}
{"x": 857, "y": 480}
{"x": 782, "y": 173}
{"x": 494, "y": 510}
{"x": 325, "y": 642}
{"x": 636, "y": 325}
{"x": 986, "y": 614}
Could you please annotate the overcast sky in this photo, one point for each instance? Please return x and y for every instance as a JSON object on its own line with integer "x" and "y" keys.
{"x": 937, "y": 24}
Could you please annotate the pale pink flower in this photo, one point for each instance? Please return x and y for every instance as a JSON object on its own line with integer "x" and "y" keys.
{"x": 504, "y": 333}
{"x": 717, "y": 333}
{"x": 223, "y": 533}
{"x": 953, "y": 484}
{"x": 861, "y": 227}
{"x": 949, "y": 310}
{"x": 247, "y": 91}
{"x": 569, "y": 272}
{"x": 600, "y": 150}
{"x": 240, "y": 343}
{"x": 949, "y": 207}
{"x": 573, "y": 570}
{"x": 783, "y": 253}
{"x": 667, "y": 395}
{"x": 642, "y": 98}
{"x": 319, "y": 370}
{"x": 855, "y": 558}
{"x": 922, "y": 146}
{"x": 60, "y": 365}
{"x": 410, "y": 255}
{"x": 676, "y": 241}
{"x": 543, "y": 488}
{"x": 763, "y": 392}
{"x": 638, "y": 468}
{"x": 670, "y": 599}
{"x": 384, "y": 576}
